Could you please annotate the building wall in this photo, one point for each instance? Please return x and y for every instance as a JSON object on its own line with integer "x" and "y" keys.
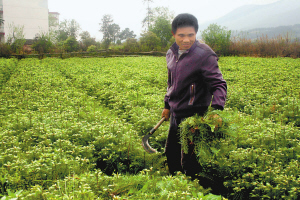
{"x": 1, "y": 25}
{"x": 32, "y": 15}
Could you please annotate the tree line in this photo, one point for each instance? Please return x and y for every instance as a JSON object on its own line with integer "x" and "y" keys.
{"x": 67, "y": 36}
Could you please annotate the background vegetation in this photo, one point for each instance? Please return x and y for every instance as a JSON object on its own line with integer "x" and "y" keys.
{"x": 67, "y": 37}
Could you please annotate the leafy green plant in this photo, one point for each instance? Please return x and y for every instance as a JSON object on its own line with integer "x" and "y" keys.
{"x": 11, "y": 195}
{"x": 203, "y": 133}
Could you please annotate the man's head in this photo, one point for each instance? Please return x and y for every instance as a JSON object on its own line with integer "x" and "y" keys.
{"x": 184, "y": 30}
{"x": 184, "y": 20}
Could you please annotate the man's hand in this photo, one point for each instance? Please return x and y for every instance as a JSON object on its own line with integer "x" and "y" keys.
{"x": 166, "y": 113}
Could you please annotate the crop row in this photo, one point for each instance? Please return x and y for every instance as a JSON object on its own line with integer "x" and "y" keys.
{"x": 133, "y": 88}
{"x": 264, "y": 88}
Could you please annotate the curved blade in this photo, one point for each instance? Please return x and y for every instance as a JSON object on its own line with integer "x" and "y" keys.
{"x": 146, "y": 144}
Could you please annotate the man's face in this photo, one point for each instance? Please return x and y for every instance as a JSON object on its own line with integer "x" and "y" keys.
{"x": 185, "y": 37}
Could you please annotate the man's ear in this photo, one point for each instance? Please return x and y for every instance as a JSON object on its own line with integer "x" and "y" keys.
{"x": 173, "y": 34}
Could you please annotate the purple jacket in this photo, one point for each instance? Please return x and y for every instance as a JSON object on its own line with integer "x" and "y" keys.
{"x": 194, "y": 81}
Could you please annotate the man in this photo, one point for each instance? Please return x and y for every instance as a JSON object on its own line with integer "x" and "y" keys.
{"x": 194, "y": 83}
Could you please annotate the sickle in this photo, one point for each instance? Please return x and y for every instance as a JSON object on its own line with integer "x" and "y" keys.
{"x": 145, "y": 142}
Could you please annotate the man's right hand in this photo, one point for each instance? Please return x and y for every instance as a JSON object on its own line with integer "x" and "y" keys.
{"x": 166, "y": 113}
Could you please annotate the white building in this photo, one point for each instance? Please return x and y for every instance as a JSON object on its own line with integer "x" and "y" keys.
{"x": 1, "y": 25}
{"x": 31, "y": 15}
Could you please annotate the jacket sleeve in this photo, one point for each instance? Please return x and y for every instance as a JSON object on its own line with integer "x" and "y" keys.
{"x": 167, "y": 106}
{"x": 214, "y": 80}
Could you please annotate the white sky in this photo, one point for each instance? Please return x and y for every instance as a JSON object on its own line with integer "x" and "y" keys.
{"x": 130, "y": 13}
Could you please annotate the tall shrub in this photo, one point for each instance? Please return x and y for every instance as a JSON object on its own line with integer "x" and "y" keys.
{"x": 131, "y": 45}
{"x": 5, "y": 50}
{"x": 218, "y": 38}
{"x": 150, "y": 42}
{"x": 16, "y": 38}
{"x": 71, "y": 44}
{"x": 42, "y": 43}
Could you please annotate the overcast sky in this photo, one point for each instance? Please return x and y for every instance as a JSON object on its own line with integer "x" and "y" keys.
{"x": 130, "y": 13}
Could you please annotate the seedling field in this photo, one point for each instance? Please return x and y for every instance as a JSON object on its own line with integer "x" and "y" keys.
{"x": 72, "y": 129}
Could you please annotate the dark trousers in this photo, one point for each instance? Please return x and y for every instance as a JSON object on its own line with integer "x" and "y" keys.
{"x": 176, "y": 159}
{"x": 188, "y": 163}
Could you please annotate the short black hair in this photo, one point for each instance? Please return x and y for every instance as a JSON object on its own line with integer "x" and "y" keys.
{"x": 184, "y": 20}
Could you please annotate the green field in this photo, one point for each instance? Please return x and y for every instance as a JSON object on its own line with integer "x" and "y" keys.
{"x": 72, "y": 129}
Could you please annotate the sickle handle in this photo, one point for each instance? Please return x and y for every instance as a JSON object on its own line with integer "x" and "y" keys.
{"x": 157, "y": 125}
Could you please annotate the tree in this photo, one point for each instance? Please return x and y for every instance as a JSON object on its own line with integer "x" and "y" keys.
{"x": 163, "y": 29}
{"x": 160, "y": 24}
{"x": 150, "y": 42}
{"x": 148, "y": 19}
{"x": 71, "y": 44}
{"x": 1, "y": 21}
{"x": 218, "y": 38}
{"x": 53, "y": 22}
{"x": 131, "y": 45}
{"x": 105, "y": 43}
{"x": 107, "y": 20}
{"x": 110, "y": 30}
{"x": 84, "y": 35}
{"x": 74, "y": 28}
{"x": 126, "y": 33}
{"x": 68, "y": 28}
{"x": 113, "y": 32}
{"x": 16, "y": 38}
{"x": 86, "y": 40}
{"x": 63, "y": 31}
{"x": 154, "y": 14}
{"x": 163, "y": 12}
